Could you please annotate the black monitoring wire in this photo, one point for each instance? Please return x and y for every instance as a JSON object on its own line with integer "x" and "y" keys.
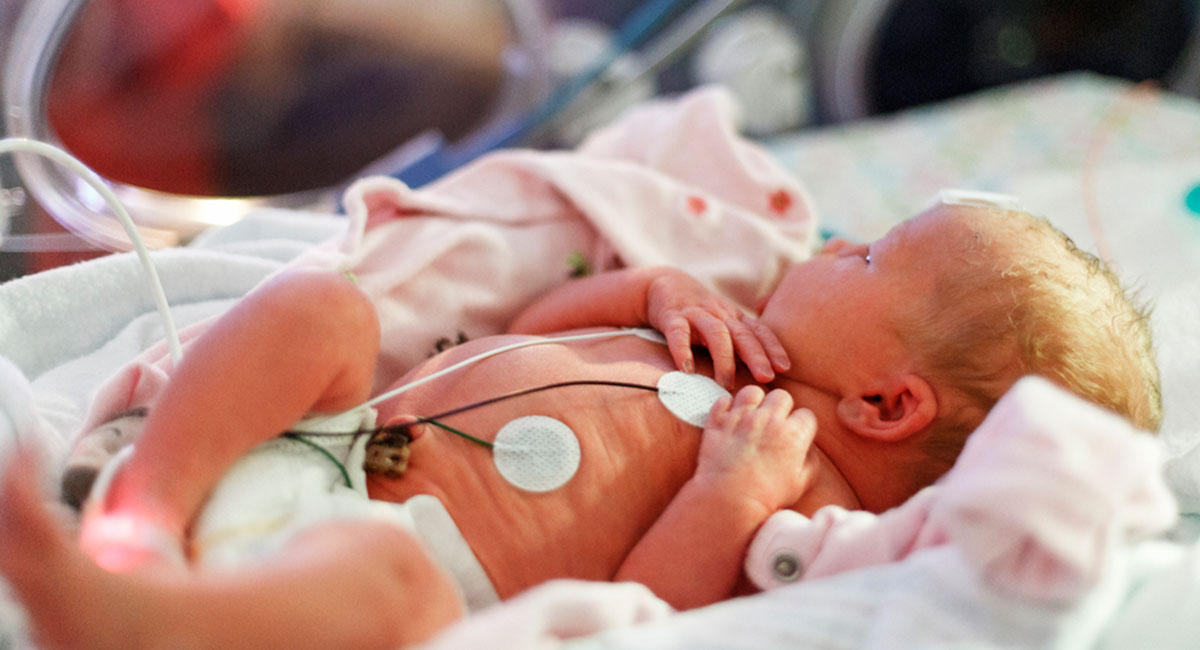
{"x": 402, "y": 429}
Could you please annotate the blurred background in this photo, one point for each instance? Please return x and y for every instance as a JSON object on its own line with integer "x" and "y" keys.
{"x": 198, "y": 111}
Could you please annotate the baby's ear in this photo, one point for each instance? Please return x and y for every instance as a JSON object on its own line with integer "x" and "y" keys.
{"x": 892, "y": 412}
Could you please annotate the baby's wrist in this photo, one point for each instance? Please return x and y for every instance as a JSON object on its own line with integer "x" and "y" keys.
{"x": 733, "y": 492}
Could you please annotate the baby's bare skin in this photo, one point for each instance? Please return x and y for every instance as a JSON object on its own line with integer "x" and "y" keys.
{"x": 635, "y": 455}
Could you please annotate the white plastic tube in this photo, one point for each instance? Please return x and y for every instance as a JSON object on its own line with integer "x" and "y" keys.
{"x": 90, "y": 177}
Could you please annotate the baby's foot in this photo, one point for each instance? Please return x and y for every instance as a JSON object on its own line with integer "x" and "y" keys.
{"x": 95, "y": 449}
{"x": 121, "y": 541}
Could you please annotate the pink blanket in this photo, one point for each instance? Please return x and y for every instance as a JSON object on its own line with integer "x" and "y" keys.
{"x": 1044, "y": 492}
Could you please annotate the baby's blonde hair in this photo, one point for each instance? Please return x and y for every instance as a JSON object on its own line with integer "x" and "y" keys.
{"x": 1027, "y": 300}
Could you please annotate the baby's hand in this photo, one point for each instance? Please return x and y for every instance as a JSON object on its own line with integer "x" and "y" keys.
{"x": 756, "y": 445}
{"x": 686, "y": 313}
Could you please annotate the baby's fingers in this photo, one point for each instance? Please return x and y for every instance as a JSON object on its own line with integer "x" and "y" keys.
{"x": 750, "y": 397}
{"x": 735, "y": 336}
{"x": 728, "y": 416}
{"x": 805, "y": 423}
{"x": 787, "y": 431}
{"x": 720, "y": 417}
{"x": 714, "y": 334}
{"x": 678, "y": 332}
{"x": 769, "y": 343}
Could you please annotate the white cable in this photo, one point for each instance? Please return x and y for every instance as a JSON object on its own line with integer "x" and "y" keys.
{"x": 480, "y": 357}
{"x": 493, "y": 352}
{"x": 91, "y": 178}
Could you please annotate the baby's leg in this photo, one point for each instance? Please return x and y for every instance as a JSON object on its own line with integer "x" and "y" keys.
{"x": 304, "y": 342}
{"x": 346, "y": 585}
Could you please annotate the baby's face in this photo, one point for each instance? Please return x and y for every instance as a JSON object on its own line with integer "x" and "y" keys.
{"x": 838, "y": 313}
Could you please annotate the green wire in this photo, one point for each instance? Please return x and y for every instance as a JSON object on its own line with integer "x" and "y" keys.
{"x": 342, "y": 468}
{"x": 324, "y": 452}
{"x": 457, "y": 432}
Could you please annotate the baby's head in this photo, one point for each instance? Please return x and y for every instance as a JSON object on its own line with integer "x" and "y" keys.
{"x": 1025, "y": 300}
{"x": 918, "y": 334}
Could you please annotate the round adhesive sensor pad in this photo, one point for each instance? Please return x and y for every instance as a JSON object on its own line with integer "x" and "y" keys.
{"x": 689, "y": 396}
{"x": 536, "y": 453}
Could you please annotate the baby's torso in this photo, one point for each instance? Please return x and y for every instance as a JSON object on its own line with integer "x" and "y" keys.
{"x": 634, "y": 455}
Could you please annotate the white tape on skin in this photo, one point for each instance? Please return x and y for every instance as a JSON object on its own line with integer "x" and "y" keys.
{"x": 536, "y": 453}
{"x": 688, "y": 396}
{"x": 977, "y": 199}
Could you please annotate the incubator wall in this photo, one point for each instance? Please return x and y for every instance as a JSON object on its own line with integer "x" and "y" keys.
{"x": 198, "y": 111}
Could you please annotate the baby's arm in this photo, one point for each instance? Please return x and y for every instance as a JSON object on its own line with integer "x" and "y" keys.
{"x": 751, "y": 465}
{"x": 672, "y": 302}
